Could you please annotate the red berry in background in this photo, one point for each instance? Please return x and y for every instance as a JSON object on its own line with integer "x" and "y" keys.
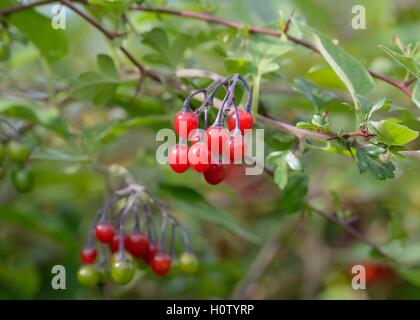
{"x": 215, "y": 174}
{"x": 161, "y": 264}
{"x": 137, "y": 244}
{"x": 178, "y": 158}
{"x": 375, "y": 271}
{"x": 217, "y": 140}
{"x": 237, "y": 147}
{"x": 88, "y": 255}
{"x": 114, "y": 244}
{"x": 184, "y": 123}
{"x": 199, "y": 157}
{"x": 246, "y": 121}
{"x": 104, "y": 232}
{"x": 151, "y": 252}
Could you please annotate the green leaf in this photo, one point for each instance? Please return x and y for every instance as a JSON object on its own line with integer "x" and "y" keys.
{"x": 368, "y": 158}
{"x": 392, "y": 133}
{"x": 353, "y": 74}
{"x": 294, "y": 194}
{"x": 38, "y": 29}
{"x": 407, "y": 62}
{"x": 412, "y": 275}
{"x": 281, "y": 173}
{"x": 114, "y": 131}
{"x": 96, "y": 87}
{"x": 416, "y": 94}
{"x": 32, "y": 112}
{"x": 42, "y": 153}
{"x": 107, "y": 66}
{"x": 376, "y": 106}
{"x": 318, "y": 97}
{"x": 239, "y": 65}
{"x": 188, "y": 200}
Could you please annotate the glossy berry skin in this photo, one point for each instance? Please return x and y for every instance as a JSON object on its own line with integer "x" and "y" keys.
{"x": 237, "y": 148}
{"x": 114, "y": 244}
{"x": 104, "y": 232}
{"x": 17, "y": 151}
{"x": 199, "y": 157}
{"x": 217, "y": 140}
{"x": 151, "y": 252}
{"x": 188, "y": 263}
{"x": 88, "y": 255}
{"x": 137, "y": 244}
{"x": 184, "y": 123}
{"x": 23, "y": 179}
{"x": 161, "y": 264}
{"x": 88, "y": 276}
{"x": 246, "y": 121}
{"x": 178, "y": 158}
{"x": 215, "y": 174}
{"x": 122, "y": 271}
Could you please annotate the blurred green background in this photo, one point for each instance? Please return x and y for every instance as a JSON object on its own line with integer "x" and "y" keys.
{"x": 233, "y": 226}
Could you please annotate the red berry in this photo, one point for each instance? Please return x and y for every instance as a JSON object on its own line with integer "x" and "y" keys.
{"x": 246, "y": 121}
{"x": 199, "y": 157}
{"x": 184, "y": 123}
{"x": 178, "y": 158}
{"x": 237, "y": 147}
{"x": 137, "y": 244}
{"x": 215, "y": 174}
{"x": 104, "y": 232}
{"x": 161, "y": 264}
{"x": 151, "y": 252}
{"x": 88, "y": 255}
{"x": 217, "y": 140}
{"x": 196, "y": 136}
{"x": 114, "y": 244}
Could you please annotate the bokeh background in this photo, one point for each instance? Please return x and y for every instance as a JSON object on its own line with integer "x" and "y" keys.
{"x": 246, "y": 245}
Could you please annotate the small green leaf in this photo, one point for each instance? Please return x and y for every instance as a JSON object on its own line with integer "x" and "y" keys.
{"x": 107, "y": 66}
{"x": 239, "y": 65}
{"x": 96, "y": 87}
{"x": 368, "y": 158}
{"x": 293, "y": 161}
{"x": 318, "y": 97}
{"x": 392, "y": 133}
{"x": 294, "y": 194}
{"x": 281, "y": 173}
{"x": 416, "y": 94}
{"x": 407, "y": 62}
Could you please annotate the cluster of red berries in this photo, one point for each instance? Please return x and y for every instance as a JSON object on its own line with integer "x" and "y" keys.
{"x": 210, "y": 148}
{"x": 121, "y": 252}
{"x": 15, "y": 153}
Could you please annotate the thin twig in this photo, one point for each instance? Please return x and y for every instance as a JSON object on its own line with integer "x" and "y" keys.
{"x": 270, "y": 32}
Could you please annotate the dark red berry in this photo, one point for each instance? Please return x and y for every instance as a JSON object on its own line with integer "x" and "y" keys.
{"x": 184, "y": 123}
{"x": 237, "y": 147}
{"x": 161, "y": 264}
{"x": 199, "y": 157}
{"x": 88, "y": 255}
{"x": 215, "y": 174}
{"x": 137, "y": 244}
{"x": 151, "y": 252}
{"x": 246, "y": 121}
{"x": 114, "y": 244}
{"x": 178, "y": 158}
{"x": 217, "y": 140}
{"x": 104, "y": 232}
